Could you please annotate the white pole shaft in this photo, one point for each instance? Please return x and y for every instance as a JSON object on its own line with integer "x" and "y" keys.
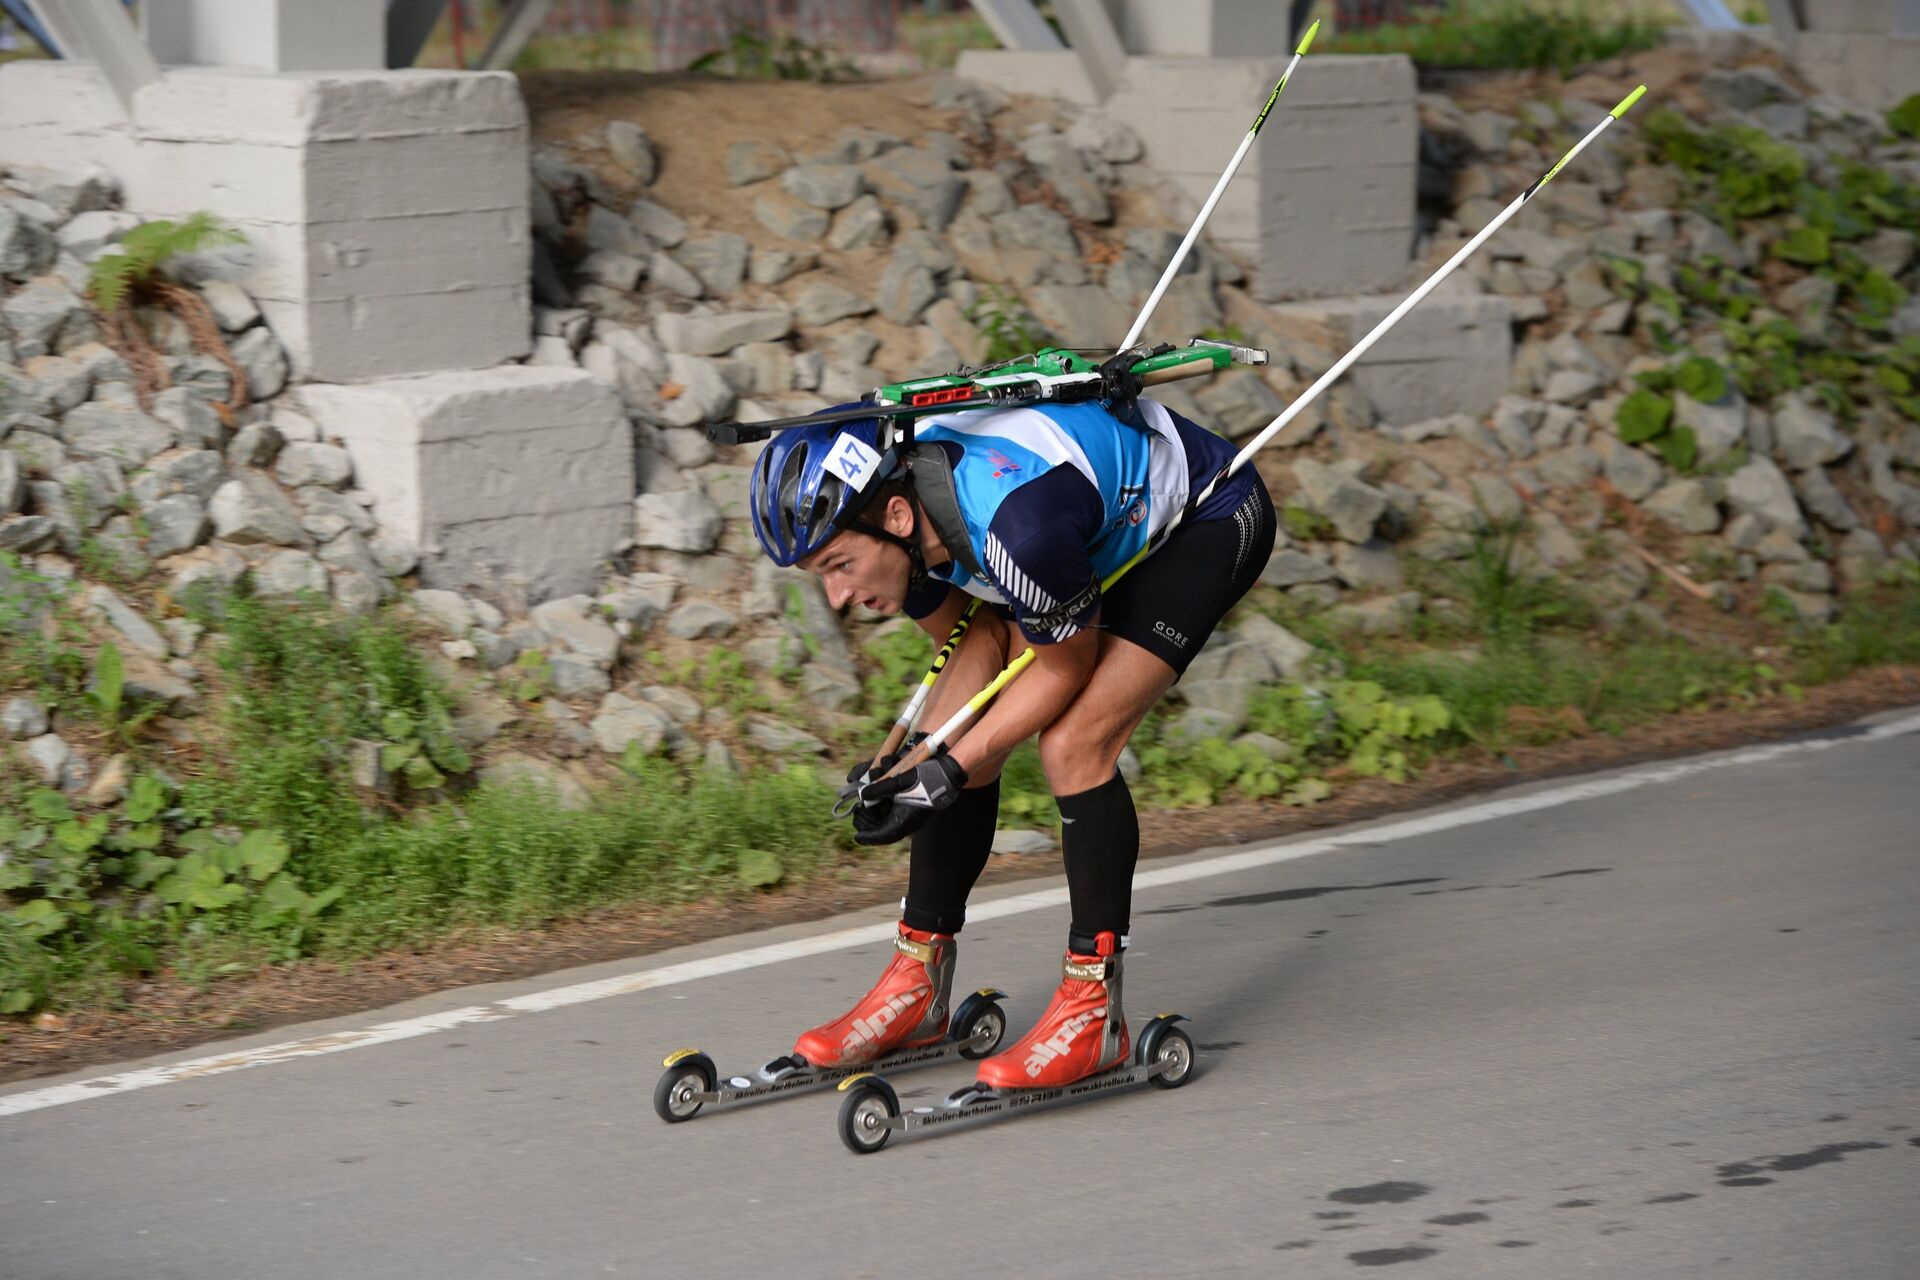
{"x": 1413, "y": 299}
{"x": 1193, "y": 232}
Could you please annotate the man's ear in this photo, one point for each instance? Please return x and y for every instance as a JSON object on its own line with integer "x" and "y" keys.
{"x": 899, "y": 517}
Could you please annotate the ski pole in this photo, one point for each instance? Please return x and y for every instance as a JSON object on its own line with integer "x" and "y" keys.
{"x": 1206, "y": 210}
{"x": 903, "y": 724}
{"x": 939, "y": 738}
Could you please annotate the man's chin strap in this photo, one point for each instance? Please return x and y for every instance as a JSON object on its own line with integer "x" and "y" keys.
{"x": 916, "y": 558}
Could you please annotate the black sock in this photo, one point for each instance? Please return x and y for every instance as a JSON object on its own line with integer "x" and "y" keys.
{"x": 1099, "y": 842}
{"x": 949, "y": 853}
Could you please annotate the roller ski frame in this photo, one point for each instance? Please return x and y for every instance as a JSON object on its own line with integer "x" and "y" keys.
{"x": 691, "y": 1082}
{"x": 870, "y": 1113}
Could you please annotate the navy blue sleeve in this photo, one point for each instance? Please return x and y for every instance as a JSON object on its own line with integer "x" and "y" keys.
{"x": 924, "y": 597}
{"x": 1036, "y": 554}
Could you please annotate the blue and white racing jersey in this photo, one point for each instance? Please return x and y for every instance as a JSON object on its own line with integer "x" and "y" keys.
{"x": 1057, "y": 496}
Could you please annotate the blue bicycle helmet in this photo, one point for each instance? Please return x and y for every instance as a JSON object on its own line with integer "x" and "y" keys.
{"x": 810, "y": 483}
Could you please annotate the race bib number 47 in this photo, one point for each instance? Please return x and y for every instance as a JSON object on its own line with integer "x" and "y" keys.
{"x": 853, "y": 461}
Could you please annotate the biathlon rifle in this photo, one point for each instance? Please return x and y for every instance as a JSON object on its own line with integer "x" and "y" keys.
{"x": 1057, "y": 375}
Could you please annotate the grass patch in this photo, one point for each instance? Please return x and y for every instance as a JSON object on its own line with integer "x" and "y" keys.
{"x": 1509, "y": 35}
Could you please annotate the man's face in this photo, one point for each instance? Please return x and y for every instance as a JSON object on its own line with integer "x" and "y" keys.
{"x": 858, "y": 569}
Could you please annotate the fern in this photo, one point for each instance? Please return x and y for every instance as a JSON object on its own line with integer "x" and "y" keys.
{"x": 149, "y": 247}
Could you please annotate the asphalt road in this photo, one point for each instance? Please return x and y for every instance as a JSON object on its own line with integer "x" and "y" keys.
{"x": 1668, "y": 1032}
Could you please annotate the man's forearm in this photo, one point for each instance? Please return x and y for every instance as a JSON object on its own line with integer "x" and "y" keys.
{"x": 1031, "y": 702}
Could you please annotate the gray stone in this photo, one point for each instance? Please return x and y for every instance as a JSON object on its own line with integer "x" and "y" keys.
{"x": 1372, "y": 566}
{"x": 1016, "y": 841}
{"x": 789, "y": 218}
{"x": 1352, "y": 505}
{"x": 1823, "y": 500}
{"x": 177, "y": 522}
{"x": 1288, "y": 567}
{"x": 698, "y": 620}
{"x": 572, "y": 621}
{"x": 572, "y": 675}
{"x": 64, "y": 382}
{"x": 289, "y": 573}
{"x": 670, "y": 275}
{"x": 623, "y": 722}
{"x": 613, "y": 268}
{"x": 1554, "y": 542}
{"x": 190, "y": 417}
{"x": 701, "y": 392}
{"x": 1238, "y": 403}
{"x": 302, "y": 463}
{"x": 13, "y": 489}
{"x": 447, "y": 610}
{"x": 394, "y": 553}
{"x": 719, "y": 259}
{"x": 329, "y": 513}
{"x": 1634, "y": 473}
{"x": 128, "y": 436}
{"x": 920, "y": 181}
{"x": 1761, "y": 489}
{"x": 347, "y": 551}
{"x": 1685, "y": 505}
{"x": 27, "y": 244}
{"x": 250, "y": 509}
{"x": 1572, "y": 468}
{"x": 1381, "y": 616}
{"x": 824, "y": 186}
{"x": 264, "y": 361}
{"x": 50, "y": 754}
{"x": 823, "y": 303}
{"x": 1105, "y": 138}
{"x": 712, "y": 335}
{"x": 1062, "y": 167}
{"x": 660, "y": 224}
{"x": 233, "y": 310}
{"x": 23, "y": 718}
{"x": 685, "y": 521}
{"x": 632, "y": 150}
{"x": 771, "y": 266}
{"x": 40, "y": 312}
{"x": 1497, "y": 497}
{"x": 1574, "y": 387}
{"x": 1716, "y": 427}
{"x": 1805, "y": 435}
{"x": 907, "y": 288}
{"x": 24, "y": 534}
{"x": 254, "y": 445}
{"x": 95, "y": 486}
{"x": 776, "y": 738}
{"x": 755, "y": 160}
{"x": 861, "y": 225}
{"x": 136, "y": 630}
{"x": 86, "y": 234}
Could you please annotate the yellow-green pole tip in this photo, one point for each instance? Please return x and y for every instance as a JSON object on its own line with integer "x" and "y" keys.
{"x": 1307, "y": 39}
{"x": 1626, "y": 103}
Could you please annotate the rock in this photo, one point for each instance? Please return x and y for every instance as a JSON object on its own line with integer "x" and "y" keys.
{"x": 40, "y": 313}
{"x": 1716, "y": 427}
{"x": 695, "y": 391}
{"x": 1745, "y": 88}
{"x": 776, "y": 738}
{"x": 573, "y": 675}
{"x": 1350, "y": 504}
{"x": 670, "y": 275}
{"x": 1554, "y": 542}
{"x": 128, "y": 436}
{"x": 1104, "y": 137}
{"x": 755, "y": 160}
{"x": 718, "y": 259}
{"x": 190, "y": 417}
{"x": 1572, "y": 468}
{"x": 823, "y": 303}
{"x": 1498, "y": 498}
{"x": 264, "y": 361}
{"x": 13, "y": 490}
{"x": 1634, "y": 473}
{"x": 1239, "y": 403}
{"x": 27, "y": 245}
{"x": 233, "y": 309}
{"x": 1372, "y": 566}
{"x": 447, "y": 610}
{"x": 1685, "y": 505}
{"x": 1288, "y": 653}
{"x": 789, "y": 218}
{"x": 660, "y": 224}
{"x": 717, "y": 334}
{"x": 622, "y": 722}
{"x": 330, "y": 513}
{"x": 613, "y": 268}
{"x": 518, "y": 769}
{"x": 1804, "y": 575}
{"x": 1289, "y": 568}
{"x": 632, "y": 150}
{"x": 50, "y": 754}
{"x": 680, "y": 706}
{"x": 63, "y": 381}
{"x": 23, "y": 717}
{"x": 287, "y": 574}
{"x": 395, "y": 554}
{"x": 1761, "y": 489}
{"x": 919, "y": 180}
{"x": 250, "y": 509}
{"x": 176, "y": 523}
{"x": 1804, "y": 435}
{"x": 1823, "y": 500}
{"x": 861, "y": 225}
{"x": 325, "y": 465}
{"x": 1573, "y": 387}
{"x": 1018, "y": 841}
{"x": 1062, "y": 167}
{"x": 685, "y": 521}
{"x": 824, "y": 186}
{"x": 1381, "y": 616}
{"x": 573, "y": 621}
{"x": 698, "y": 620}
{"x": 254, "y": 445}
{"x": 771, "y": 266}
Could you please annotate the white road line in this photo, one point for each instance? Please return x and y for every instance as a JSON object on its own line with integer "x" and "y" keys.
{"x": 861, "y": 935}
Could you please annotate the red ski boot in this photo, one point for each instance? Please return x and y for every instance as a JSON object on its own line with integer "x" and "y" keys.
{"x": 907, "y": 1008}
{"x": 1083, "y": 1032}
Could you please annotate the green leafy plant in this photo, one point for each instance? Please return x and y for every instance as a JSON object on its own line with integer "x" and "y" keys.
{"x": 145, "y": 252}
{"x": 1905, "y": 118}
{"x": 751, "y": 55}
{"x": 1010, "y": 330}
{"x": 1508, "y": 36}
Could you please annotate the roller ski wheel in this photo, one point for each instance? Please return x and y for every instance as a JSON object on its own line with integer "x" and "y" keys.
{"x": 684, "y": 1087}
{"x": 1164, "y": 1045}
{"x": 690, "y": 1082}
{"x": 869, "y": 1113}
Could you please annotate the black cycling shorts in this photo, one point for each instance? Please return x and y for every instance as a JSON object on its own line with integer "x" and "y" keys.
{"x": 1169, "y": 603}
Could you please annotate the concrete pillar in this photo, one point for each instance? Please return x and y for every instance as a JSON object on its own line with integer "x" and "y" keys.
{"x": 339, "y": 35}
{"x": 1867, "y": 51}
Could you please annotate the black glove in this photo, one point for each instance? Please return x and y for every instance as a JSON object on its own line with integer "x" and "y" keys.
{"x": 867, "y": 770}
{"x": 933, "y": 785}
{"x": 884, "y": 822}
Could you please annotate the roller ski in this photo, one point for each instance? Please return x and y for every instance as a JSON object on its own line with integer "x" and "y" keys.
{"x": 902, "y": 1023}
{"x": 1079, "y": 1048}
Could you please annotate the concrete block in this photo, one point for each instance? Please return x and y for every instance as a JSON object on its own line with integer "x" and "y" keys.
{"x": 515, "y": 472}
{"x": 379, "y": 257}
{"x": 273, "y": 37}
{"x": 1203, "y": 29}
{"x": 1053, "y": 74}
{"x": 347, "y": 339}
{"x": 1876, "y": 71}
{"x": 1451, "y": 354}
